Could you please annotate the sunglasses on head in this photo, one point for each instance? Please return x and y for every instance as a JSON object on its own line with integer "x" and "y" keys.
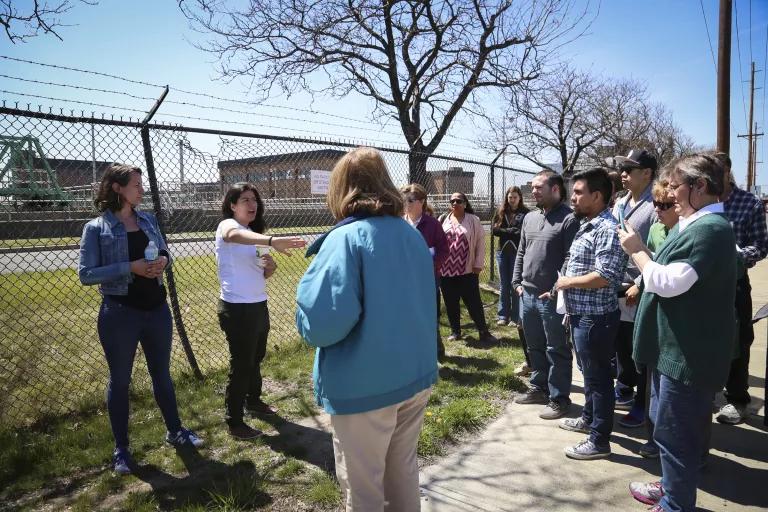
{"x": 662, "y": 205}
{"x": 457, "y": 201}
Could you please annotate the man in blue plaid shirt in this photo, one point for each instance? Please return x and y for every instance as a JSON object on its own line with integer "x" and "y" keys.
{"x": 746, "y": 214}
{"x": 595, "y": 269}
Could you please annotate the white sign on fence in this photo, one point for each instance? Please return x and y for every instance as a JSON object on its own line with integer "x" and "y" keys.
{"x": 319, "y": 181}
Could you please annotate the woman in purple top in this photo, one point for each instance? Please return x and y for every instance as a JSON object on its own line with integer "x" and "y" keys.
{"x": 419, "y": 215}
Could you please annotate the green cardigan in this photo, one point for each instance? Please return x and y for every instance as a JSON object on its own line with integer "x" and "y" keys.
{"x": 690, "y": 337}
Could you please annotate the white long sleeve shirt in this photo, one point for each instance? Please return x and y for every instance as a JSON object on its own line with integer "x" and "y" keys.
{"x": 675, "y": 278}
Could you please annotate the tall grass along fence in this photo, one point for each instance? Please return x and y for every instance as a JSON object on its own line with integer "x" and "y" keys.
{"x": 51, "y": 361}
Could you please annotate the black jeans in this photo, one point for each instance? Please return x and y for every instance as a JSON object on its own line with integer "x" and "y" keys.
{"x": 466, "y": 288}
{"x": 626, "y": 378}
{"x": 737, "y": 387}
{"x": 246, "y": 327}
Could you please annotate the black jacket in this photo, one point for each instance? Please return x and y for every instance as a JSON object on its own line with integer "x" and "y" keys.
{"x": 509, "y": 230}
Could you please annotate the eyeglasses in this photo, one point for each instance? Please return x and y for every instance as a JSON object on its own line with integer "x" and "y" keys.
{"x": 674, "y": 186}
{"x": 662, "y": 205}
{"x": 413, "y": 199}
{"x": 457, "y": 201}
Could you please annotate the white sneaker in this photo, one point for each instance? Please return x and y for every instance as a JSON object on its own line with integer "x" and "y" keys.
{"x": 732, "y": 414}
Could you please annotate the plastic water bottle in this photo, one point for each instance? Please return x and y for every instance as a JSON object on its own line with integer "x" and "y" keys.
{"x": 151, "y": 253}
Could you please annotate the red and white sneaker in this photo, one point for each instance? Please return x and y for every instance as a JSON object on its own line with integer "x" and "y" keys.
{"x": 648, "y": 493}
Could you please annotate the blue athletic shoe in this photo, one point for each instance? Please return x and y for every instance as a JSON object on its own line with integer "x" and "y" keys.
{"x": 184, "y": 437}
{"x": 122, "y": 461}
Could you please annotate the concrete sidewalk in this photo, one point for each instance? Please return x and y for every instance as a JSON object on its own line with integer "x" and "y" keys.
{"x": 517, "y": 463}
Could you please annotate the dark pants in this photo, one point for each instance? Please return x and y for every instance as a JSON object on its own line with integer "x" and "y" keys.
{"x": 594, "y": 337}
{"x": 246, "y": 327}
{"x": 682, "y": 416}
{"x": 467, "y": 288}
{"x": 509, "y": 301}
{"x": 440, "y": 345}
{"x": 737, "y": 387}
{"x": 627, "y": 377}
{"x": 121, "y": 328}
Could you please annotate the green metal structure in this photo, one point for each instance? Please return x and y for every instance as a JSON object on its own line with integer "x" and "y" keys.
{"x": 22, "y": 179}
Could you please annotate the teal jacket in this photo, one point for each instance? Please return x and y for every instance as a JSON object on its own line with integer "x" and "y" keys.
{"x": 367, "y": 302}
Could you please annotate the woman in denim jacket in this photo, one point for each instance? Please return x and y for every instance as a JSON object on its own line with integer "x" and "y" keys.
{"x": 133, "y": 308}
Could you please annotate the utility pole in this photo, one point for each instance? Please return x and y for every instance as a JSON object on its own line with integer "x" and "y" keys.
{"x": 751, "y": 135}
{"x": 724, "y": 78}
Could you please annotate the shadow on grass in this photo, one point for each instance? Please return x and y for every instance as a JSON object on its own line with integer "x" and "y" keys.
{"x": 312, "y": 445}
{"x": 210, "y": 483}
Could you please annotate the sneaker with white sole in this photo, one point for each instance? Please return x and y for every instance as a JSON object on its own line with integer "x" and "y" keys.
{"x": 122, "y": 461}
{"x": 587, "y": 450}
{"x": 575, "y": 425}
{"x": 648, "y": 493}
{"x": 184, "y": 437}
{"x": 732, "y": 414}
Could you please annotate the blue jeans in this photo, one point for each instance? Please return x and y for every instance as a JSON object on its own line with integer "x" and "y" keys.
{"x": 551, "y": 359}
{"x": 594, "y": 338}
{"x": 682, "y": 416}
{"x": 121, "y": 328}
{"x": 509, "y": 302}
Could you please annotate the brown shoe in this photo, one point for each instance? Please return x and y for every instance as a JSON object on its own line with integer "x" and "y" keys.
{"x": 244, "y": 432}
{"x": 261, "y": 408}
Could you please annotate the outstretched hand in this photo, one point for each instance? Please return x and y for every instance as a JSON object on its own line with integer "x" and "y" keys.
{"x": 630, "y": 240}
{"x": 283, "y": 244}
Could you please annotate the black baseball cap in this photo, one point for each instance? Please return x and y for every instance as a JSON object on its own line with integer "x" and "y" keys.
{"x": 637, "y": 159}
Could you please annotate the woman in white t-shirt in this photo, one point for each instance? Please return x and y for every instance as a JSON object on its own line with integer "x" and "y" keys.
{"x": 243, "y": 266}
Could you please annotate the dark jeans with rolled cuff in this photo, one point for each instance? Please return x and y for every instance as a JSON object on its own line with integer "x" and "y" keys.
{"x": 246, "y": 327}
{"x": 594, "y": 338}
{"x": 121, "y": 328}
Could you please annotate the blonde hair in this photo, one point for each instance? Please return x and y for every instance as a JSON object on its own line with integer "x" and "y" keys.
{"x": 360, "y": 184}
{"x": 659, "y": 190}
{"x": 419, "y": 193}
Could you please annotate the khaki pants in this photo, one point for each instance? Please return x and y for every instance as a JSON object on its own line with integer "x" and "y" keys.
{"x": 376, "y": 456}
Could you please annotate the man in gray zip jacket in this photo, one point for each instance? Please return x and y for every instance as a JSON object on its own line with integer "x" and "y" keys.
{"x": 544, "y": 242}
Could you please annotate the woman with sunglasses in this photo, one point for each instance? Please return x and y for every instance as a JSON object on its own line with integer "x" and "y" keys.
{"x": 507, "y": 225}
{"x": 664, "y": 206}
{"x": 459, "y": 273}
{"x": 419, "y": 215}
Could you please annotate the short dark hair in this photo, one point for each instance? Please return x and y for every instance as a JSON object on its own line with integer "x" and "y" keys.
{"x": 106, "y": 197}
{"x": 597, "y": 180}
{"x": 233, "y": 195}
{"x": 554, "y": 179}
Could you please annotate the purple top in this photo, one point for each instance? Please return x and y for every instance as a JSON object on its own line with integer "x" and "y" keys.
{"x": 432, "y": 231}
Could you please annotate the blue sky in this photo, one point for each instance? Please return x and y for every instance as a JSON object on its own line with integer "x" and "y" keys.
{"x": 663, "y": 42}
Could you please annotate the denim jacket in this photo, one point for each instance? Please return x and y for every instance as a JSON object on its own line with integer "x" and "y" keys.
{"x": 104, "y": 251}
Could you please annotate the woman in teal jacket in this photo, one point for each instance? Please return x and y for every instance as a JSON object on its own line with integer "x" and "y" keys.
{"x": 367, "y": 303}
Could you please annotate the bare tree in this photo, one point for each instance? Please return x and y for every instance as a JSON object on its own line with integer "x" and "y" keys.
{"x": 30, "y": 19}
{"x": 422, "y": 62}
{"x": 560, "y": 120}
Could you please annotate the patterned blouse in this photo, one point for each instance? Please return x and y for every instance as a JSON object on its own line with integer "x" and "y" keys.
{"x": 458, "y": 252}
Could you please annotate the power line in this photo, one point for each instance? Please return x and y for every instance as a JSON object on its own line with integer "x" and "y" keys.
{"x": 741, "y": 72}
{"x": 709, "y": 37}
{"x": 81, "y": 87}
{"x": 199, "y": 94}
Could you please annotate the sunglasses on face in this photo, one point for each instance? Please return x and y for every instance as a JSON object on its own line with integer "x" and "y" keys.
{"x": 662, "y": 205}
{"x": 457, "y": 201}
{"x": 413, "y": 199}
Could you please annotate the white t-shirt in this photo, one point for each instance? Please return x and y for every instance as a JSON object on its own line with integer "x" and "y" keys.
{"x": 240, "y": 274}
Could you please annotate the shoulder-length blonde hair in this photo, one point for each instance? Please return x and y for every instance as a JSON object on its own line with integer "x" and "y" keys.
{"x": 360, "y": 184}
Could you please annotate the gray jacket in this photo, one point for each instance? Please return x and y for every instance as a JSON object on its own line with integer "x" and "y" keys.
{"x": 641, "y": 217}
{"x": 544, "y": 244}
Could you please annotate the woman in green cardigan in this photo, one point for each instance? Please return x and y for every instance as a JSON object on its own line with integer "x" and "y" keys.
{"x": 692, "y": 276}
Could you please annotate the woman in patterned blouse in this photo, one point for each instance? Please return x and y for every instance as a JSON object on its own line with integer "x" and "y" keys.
{"x": 459, "y": 273}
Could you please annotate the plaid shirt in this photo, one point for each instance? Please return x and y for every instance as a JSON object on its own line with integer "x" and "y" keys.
{"x": 596, "y": 248}
{"x": 747, "y": 217}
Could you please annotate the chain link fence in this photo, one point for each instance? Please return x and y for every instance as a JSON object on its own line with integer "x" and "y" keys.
{"x": 51, "y": 360}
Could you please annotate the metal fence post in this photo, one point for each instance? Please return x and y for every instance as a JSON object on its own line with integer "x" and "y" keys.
{"x": 493, "y": 203}
{"x": 155, "y": 190}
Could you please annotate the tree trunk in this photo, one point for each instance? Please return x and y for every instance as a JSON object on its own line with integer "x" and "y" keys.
{"x": 417, "y": 170}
